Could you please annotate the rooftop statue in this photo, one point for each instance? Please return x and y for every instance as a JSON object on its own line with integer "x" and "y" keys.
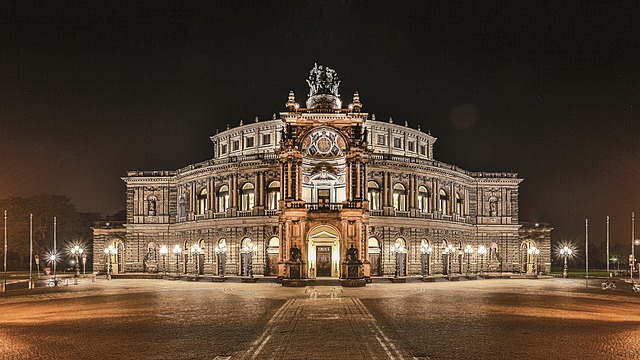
{"x": 323, "y": 80}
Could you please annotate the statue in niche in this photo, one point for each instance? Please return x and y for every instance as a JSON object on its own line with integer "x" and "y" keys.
{"x": 352, "y": 254}
{"x": 493, "y": 205}
{"x": 295, "y": 254}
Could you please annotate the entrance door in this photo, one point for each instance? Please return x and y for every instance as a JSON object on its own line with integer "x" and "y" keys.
{"x": 374, "y": 259}
{"x": 272, "y": 264}
{"x": 323, "y": 260}
{"x": 324, "y": 197}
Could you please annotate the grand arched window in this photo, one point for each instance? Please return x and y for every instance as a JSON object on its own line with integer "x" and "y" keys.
{"x": 247, "y": 197}
{"x": 423, "y": 199}
{"x": 273, "y": 195}
{"x": 459, "y": 204}
{"x": 223, "y": 198}
{"x": 202, "y": 201}
{"x": 373, "y": 195}
{"x": 445, "y": 203}
{"x": 399, "y": 197}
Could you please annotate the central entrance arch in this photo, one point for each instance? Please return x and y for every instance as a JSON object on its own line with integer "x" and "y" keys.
{"x": 324, "y": 251}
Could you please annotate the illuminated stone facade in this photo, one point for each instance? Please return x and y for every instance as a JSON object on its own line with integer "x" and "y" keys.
{"x": 322, "y": 180}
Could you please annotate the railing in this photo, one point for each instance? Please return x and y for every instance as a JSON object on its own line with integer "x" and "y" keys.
{"x": 402, "y": 213}
{"x": 271, "y": 212}
{"x": 245, "y": 213}
{"x": 220, "y": 215}
{"x": 377, "y": 212}
{"x": 323, "y": 206}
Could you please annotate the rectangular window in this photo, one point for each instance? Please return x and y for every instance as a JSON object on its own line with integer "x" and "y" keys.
{"x": 266, "y": 139}
{"x": 412, "y": 146}
{"x": 397, "y": 143}
{"x": 249, "y": 142}
{"x": 423, "y": 150}
{"x": 223, "y": 149}
{"x": 236, "y": 145}
{"x": 380, "y": 139}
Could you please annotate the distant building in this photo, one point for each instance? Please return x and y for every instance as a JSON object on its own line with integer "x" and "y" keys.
{"x": 321, "y": 180}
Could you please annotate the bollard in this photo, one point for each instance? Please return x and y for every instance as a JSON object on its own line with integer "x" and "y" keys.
{"x": 66, "y": 282}
{"x": 93, "y": 278}
{"x": 75, "y": 281}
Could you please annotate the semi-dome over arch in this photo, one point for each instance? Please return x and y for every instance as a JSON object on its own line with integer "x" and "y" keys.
{"x": 324, "y": 142}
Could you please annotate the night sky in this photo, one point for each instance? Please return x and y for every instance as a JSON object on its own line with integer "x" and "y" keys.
{"x": 550, "y": 90}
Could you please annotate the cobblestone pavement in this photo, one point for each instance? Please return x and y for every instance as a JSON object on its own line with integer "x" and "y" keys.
{"x": 161, "y": 319}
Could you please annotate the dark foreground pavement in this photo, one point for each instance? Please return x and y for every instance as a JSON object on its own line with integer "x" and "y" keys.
{"x": 161, "y": 319}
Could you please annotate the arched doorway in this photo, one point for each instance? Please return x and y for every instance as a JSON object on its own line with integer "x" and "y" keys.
{"x": 528, "y": 257}
{"x": 324, "y": 252}
{"x": 114, "y": 258}
{"x": 374, "y": 256}
{"x": 273, "y": 250}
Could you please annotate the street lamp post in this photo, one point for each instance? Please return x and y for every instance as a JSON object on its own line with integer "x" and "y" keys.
{"x": 109, "y": 252}
{"x": 84, "y": 264}
{"x": 76, "y": 251}
{"x": 164, "y": 251}
{"x": 426, "y": 250}
{"x": 468, "y": 250}
{"x": 251, "y": 250}
{"x": 196, "y": 250}
{"x": 565, "y": 252}
{"x": 482, "y": 251}
{"x": 533, "y": 253}
{"x": 449, "y": 252}
{"x": 221, "y": 253}
{"x": 399, "y": 249}
{"x": 177, "y": 250}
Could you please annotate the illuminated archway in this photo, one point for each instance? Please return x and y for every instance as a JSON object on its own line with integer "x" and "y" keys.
{"x": 324, "y": 251}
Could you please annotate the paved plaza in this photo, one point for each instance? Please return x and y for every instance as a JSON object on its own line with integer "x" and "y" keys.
{"x": 163, "y": 319}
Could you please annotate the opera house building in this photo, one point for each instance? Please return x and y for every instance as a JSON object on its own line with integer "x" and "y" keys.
{"x": 322, "y": 190}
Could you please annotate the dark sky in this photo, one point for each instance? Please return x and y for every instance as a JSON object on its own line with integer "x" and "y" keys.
{"x": 546, "y": 89}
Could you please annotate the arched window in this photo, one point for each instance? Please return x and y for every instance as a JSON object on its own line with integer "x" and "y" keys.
{"x": 399, "y": 197}
{"x": 223, "y": 198}
{"x": 151, "y": 205}
{"x": 273, "y": 195}
{"x": 400, "y": 246}
{"x": 459, "y": 204}
{"x": 373, "y": 195}
{"x": 423, "y": 199}
{"x": 445, "y": 205}
{"x": 247, "y": 197}
{"x": 201, "y": 199}
{"x": 182, "y": 207}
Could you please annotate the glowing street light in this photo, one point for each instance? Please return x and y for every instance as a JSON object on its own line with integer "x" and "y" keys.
{"x": 109, "y": 252}
{"x": 177, "y": 250}
{"x": 250, "y": 249}
{"x": 468, "y": 250}
{"x": 426, "y": 251}
{"x": 196, "y": 250}
{"x": 482, "y": 251}
{"x": 565, "y": 252}
{"x": 449, "y": 251}
{"x": 534, "y": 252}
{"x": 164, "y": 251}
{"x": 398, "y": 249}
{"x": 76, "y": 251}
{"x": 221, "y": 252}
